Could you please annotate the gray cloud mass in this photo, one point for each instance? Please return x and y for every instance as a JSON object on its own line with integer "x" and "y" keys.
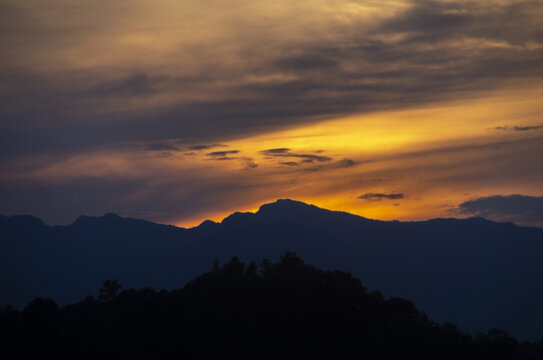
{"x": 381, "y": 196}
{"x": 521, "y": 209}
{"x": 519, "y": 128}
{"x": 432, "y": 50}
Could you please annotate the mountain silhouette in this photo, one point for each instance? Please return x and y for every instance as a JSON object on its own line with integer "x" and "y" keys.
{"x": 474, "y": 272}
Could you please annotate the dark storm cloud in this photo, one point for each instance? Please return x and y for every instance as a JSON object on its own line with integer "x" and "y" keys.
{"x": 431, "y": 51}
{"x": 432, "y": 19}
{"x": 313, "y": 169}
{"x": 136, "y": 84}
{"x": 273, "y": 152}
{"x": 345, "y": 163}
{"x": 381, "y": 196}
{"x": 307, "y": 61}
{"x": 205, "y": 147}
{"x": 515, "y": 208}
{"x": 289, "y": 163}
{"x": 326, "y": 165}
{"x": 311, "y": 158}
{"x": 519, "y": 128}
{"x": 163, "y": 146}
{"x": 223, "y": 155}
{"x": 225, "y": 158}
{"x": 249, "y": 163}
{"x": 284, "y": 152}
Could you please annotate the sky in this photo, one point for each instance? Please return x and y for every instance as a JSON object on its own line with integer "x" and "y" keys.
{"x": 178, "y": 111}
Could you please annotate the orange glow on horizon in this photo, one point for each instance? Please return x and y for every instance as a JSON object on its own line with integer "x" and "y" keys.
{"x": 403, "y": 152}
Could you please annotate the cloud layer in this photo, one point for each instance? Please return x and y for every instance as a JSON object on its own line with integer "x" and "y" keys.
{"x": 183, "y": 110}
{"x": 82, "y": 75}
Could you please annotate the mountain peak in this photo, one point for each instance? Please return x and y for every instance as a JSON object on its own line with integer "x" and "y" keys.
{"x": 91, "y": 220}
{"x": 206, "y": 224}
{"x": 287, "y": 208}
{"x": 285, "y": 204}
{"x": 111, "y": 216}
{"x": 237, "y": 217}
{"x": 27, "y": 221}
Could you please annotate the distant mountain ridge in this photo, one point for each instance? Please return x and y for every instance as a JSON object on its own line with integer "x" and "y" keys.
{"x": 474, "y": 272}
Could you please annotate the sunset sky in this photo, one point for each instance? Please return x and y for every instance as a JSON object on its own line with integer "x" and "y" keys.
{"x": 178, "y": 111}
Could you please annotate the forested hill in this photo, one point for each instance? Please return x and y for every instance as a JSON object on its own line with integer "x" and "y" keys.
{"x": 473, "y": 272}
{"x": 287, "y": 310}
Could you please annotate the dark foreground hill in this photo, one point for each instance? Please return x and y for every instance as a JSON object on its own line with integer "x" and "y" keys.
{"x": 287, "y": 310}
{"x": 473, "y": 272}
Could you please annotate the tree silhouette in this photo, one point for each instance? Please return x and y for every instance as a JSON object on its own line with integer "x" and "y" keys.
{"x": 109, "y": 290}
{"x": 283, "y": 310}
